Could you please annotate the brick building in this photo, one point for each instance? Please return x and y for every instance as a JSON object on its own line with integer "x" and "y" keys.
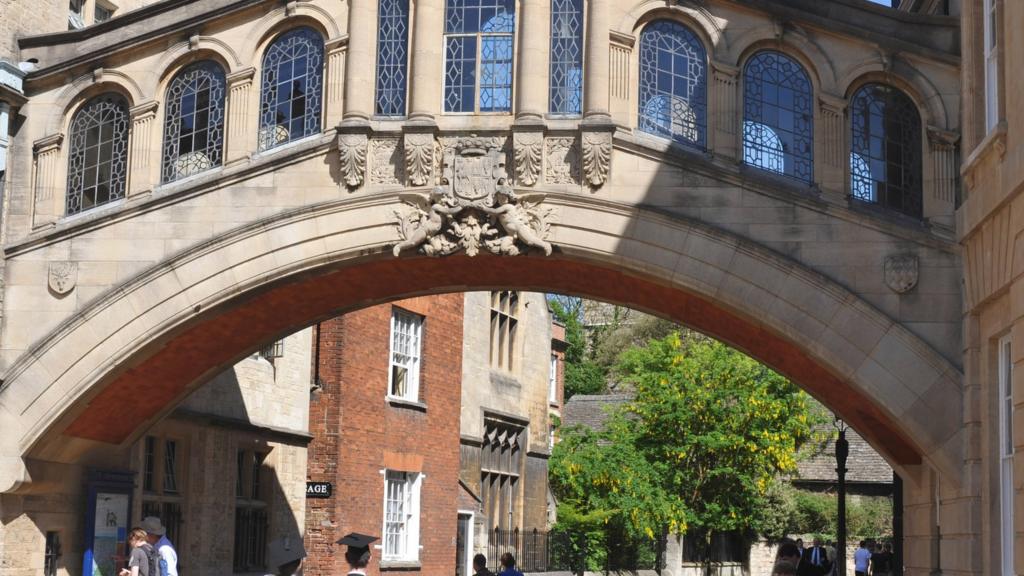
{"x": 432, "y": 481}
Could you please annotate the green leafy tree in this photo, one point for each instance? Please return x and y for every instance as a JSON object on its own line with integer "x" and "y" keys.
{"x": 582, "y": 374}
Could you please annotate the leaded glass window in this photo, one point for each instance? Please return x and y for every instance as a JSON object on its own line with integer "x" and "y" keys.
{"x": 392, "y": 56}
{"x": 566, "y": 56}
{"x": 478, "y": 55}
{"x": 98, "y": 157}
{"x": 673, "y": 83}
{"x": 292, "y": 87}
{"x": 778, "y": 117}
{"x": 194, "y": 121}
{"x": 885, "y": 156}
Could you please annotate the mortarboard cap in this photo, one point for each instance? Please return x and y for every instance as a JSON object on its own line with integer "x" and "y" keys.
{"x": 284, "y": 551}
{"x": 356, "y": 540}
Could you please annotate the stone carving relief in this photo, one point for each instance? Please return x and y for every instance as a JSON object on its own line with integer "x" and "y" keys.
{"x": 419, "y": 157}
{"x": 474, "y": 208}
{"x": 352, "y": 156}
{"x": 597, "y": 156}
{"x": 529, "y": 154}
{"x": 62, "y": 277}
{"x": 385, "y": 164}
{"x": 563, "y": 161}
{"x": 901, "y": 272}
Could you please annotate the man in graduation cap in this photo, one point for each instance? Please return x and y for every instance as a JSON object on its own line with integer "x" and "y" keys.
{"x": 358, "y": 553}
{"x": 285, "y": 556}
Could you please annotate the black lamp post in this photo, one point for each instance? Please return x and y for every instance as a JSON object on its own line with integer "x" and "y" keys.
{"x": 842, "y": 451}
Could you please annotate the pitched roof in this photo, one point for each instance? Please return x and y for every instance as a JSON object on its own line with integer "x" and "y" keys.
{"x": 591, "y": 410}
{"x": 863, "y": 465}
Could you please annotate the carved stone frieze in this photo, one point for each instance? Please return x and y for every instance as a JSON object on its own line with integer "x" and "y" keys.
{"x": 419, "y": 149}
{"x": 901, "y": 272}
{"x": 385, "y": 164}
{"x": 528, "y": 148}
{"x": 62, "y": 277}
{"x": 597, "y": 156}
{"x": 474, "y": 209}
{"x": 352, "y": 158}
{"x": 562, "y": 161}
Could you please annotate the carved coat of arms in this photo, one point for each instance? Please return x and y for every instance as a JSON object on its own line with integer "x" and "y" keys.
{"x": 474, "y": 209}
{"x": 901, "y": 272}
{"x": 62, "y": 277}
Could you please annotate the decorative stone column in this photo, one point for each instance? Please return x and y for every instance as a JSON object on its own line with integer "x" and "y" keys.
{"x": 945, "y": 168}
{"x": 532, "y": 83}
{"x": 46, "y": 203}
{"x": 725, "y": 134}
{"x": 360, "y": 80}
{"x": 239, "y": 145}
{"x": 830, "y": 144}
{"x": 595, "y": 89}
{"x": 143, "y": 172}
{"x": 621, "y": 51}
{"x": 335, "y": 85}
{"x": 427, "y": 60}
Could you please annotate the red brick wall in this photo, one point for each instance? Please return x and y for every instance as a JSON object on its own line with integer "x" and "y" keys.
{"x": 357, "y": 431}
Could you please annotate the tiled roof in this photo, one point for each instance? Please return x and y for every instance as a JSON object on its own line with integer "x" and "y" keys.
{"x": 591, "y": 410}
{"x": 864, "y": 465}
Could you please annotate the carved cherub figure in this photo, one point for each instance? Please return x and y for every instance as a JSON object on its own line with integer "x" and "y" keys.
{"x": 432, "y": 214}
{"x": 514, "y": 219}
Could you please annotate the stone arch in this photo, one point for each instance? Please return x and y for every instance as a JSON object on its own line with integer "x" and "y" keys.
{"x": 282, "y": 19}
{"x": 692, "y": 15}
{"x": 184, "y": 53}
{"x": 905, "y": 77}
{"x": 201, "y": 310}
{"x": 85, "y": 87}
{"x": 794, "y": 44}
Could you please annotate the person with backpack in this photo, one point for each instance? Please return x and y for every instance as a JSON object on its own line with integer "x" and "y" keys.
{"x": 157, "y": 537}
{"x": 142, "y": 560}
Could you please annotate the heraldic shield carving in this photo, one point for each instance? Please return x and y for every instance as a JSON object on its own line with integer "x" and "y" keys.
{"x": 474, "y": 208}
{"x": 901, "y": 272}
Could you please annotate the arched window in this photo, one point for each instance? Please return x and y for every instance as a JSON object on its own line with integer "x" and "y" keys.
{"x": 778, "y": 116}
{"x": 194, "y": 121}
{"x": 98, "y": 158}
{"x": 392, "y": 56}
{"x": 566, "y": 57}
{"x": 673, "y": 82}
{"x": 293, "y": 69}
{"x": 478, "y": 37}
{"x": 885, "y": 155}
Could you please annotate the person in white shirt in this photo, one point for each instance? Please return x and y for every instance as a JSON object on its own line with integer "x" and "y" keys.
{"x": 157, "y": 537}
{"x": 861, "y": 560}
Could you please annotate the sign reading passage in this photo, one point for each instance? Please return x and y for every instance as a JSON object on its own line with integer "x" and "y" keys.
{"x": 319, "y": 489}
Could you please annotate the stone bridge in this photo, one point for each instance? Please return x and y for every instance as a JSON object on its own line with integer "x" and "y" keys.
{"x": 670, "y": 203}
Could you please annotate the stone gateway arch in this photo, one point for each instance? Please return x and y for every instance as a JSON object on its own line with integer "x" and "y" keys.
{"x": 193, "y": 179}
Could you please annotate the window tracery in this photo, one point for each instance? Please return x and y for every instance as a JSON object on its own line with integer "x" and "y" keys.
{"x": 479, "y": 55}
{"x": 673, "y": 83}
{"x": 566, "y": 82}
{"x": 292, "y": 86}
{"x": 392, "y": 57}
{"x": 194, "y": 121}
{"x": 98, "y": 157}
{"x": 778, "y": 117}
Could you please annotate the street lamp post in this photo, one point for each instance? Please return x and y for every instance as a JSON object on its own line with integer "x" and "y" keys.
{"x": 842, "y": 451}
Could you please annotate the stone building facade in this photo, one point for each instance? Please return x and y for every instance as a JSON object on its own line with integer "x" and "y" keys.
{"x": 404, "y": 463}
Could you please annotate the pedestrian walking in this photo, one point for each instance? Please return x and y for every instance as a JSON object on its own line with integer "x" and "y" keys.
{"x": 358, "y": 553}
{"x": 814, "y": 561}
{"x": 881, "y": 561}
{"x": 142, "y": 559}
{"x": 784, "y": 568}
{"x": 480, "y": 566}
{"x": 861, "y": 560}
{"x": 156, "y": 535}
{"x": 508, "y": 565}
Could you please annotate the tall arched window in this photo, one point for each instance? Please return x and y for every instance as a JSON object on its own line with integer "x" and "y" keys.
{"x": 885, "y": 155}
{"x": 478, "y": 36}
{"x": 293, "y": 69}
{"x": 194, "y": 121}
{"x": 98, "y": 158}
{"x": 392, "y": 56}
{"x": 566, "y": 57}
{"x": 778, "y": 116}
{"x": 673, "y": 83}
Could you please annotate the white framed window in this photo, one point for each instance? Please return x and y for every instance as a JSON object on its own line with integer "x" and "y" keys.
{"x": 991, "y": 65}
{"x": 404, "y": 376}
{"x": 553, "y": 380}
{"x": 401, "y": 516}
{"x": 1006, "y": 455}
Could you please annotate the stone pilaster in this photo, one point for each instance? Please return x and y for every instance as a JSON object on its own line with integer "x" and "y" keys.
{"x": 830, "y": 144}
{"x": 945, "y": 166}
{"x": 46, "y": 203}
{"x": 427, "y": 60}
{"x": 334, "y": 99}
{"x": 621, "y": 50}
{"x": 360, "y": 80}
{"x": 725, "y": 115}
{"x": 532, "y": 82}
{"x": 595, "y": 88}
{"x": 144, "y": 157}
{"x": 239, "y": 145}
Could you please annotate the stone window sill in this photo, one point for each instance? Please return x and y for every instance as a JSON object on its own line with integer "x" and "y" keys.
{"x": 398, "y": 565}
{"x": 408, "y": 404}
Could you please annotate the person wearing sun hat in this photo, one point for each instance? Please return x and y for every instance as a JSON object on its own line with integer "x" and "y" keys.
{"x": 358, "y": 553}
{"x": 157, "y": 537}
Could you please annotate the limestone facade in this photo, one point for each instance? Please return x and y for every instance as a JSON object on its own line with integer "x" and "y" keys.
{"x": 177, "y": 278}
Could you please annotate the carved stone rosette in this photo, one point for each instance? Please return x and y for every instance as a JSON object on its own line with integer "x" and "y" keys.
{"x": 419, "y": 157}
{"x": 474, "y": 209}
{"x": 528, "y": 148}
{"x": 596, "y": 146}
{"x": 352, "y": 158}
